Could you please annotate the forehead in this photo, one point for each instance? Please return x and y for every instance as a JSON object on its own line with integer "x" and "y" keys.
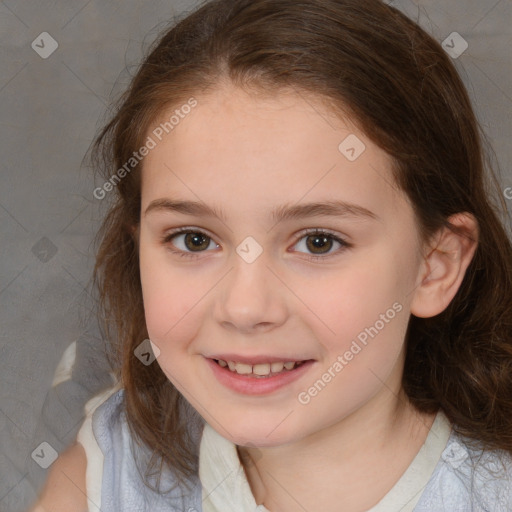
{"x": 252, "y": 151}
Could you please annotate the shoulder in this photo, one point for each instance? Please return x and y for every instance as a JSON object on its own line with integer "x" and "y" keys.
{"x": 71, "y": 475}
{"x": 65, "y": 488}
{"x": 123, "y": 481}
{"x": 468, "y": 475}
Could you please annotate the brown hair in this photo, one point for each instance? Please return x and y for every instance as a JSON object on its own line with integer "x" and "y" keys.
{"x": 369, "y": 60}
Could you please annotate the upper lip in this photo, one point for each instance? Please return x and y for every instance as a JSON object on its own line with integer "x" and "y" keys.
{"x": 252, "y": 360}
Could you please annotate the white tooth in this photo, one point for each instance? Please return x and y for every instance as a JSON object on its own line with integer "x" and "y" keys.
{"x": 277, "y": 367}
{"x": 243, "y": 369}
{"x": 289, "y": 365}
{"x": 231, "y": 365}
{"x": 261, "y": 369}
{"x": 222, "y": 363}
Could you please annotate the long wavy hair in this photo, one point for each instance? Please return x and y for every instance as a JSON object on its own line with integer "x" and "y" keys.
{"x": 367, "y": 60}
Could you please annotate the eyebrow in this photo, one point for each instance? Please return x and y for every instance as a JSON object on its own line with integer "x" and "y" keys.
{"x": 281, "y": 213}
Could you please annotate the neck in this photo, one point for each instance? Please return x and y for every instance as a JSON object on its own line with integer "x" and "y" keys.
{"x": 352, "y": 463}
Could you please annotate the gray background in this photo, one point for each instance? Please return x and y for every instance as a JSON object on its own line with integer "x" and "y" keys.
{"x": 50, "y": 111}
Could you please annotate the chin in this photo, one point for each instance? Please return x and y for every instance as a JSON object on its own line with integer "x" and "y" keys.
{"x": 263, "y": 434}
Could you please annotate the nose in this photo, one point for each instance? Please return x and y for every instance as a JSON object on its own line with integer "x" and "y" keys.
{"x": 251, "y": 299}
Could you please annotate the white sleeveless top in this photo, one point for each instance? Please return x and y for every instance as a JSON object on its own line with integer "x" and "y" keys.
{"x": 218, "y": 457}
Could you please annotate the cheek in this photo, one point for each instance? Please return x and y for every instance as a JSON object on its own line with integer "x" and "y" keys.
{"x": 169, "y": 297}
{"x": 367, "y": 311}
{"x": 365, "y": 294}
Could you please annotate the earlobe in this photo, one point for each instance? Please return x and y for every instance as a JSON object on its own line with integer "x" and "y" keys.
{"x": 445, "y": 265}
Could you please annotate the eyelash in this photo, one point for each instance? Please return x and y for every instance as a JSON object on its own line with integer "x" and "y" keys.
{"x": 166, "y": 239}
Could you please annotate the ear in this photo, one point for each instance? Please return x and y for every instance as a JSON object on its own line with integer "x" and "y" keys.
{"x": 448, "y": 256}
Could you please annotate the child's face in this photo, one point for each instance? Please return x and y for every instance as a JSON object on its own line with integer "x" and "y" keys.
{"x": 345, "y": 312}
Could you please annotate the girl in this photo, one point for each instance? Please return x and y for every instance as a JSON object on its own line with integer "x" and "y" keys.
{"x": 310, "y": 288}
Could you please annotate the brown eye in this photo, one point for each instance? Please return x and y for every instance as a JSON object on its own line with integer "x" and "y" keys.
{"x": 196, "y": 241}
{"x": 319, "y": 244}
{"x": 187, "y": 241}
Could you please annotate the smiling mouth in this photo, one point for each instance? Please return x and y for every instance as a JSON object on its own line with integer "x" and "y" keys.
{"x": 261, "y": 370}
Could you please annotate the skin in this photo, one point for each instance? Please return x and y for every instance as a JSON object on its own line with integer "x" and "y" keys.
{"x": 65, "y": 488}
{"x": 248, "y": 154}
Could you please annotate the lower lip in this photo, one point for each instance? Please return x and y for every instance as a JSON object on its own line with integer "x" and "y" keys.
{"x": 249, "y": 385}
